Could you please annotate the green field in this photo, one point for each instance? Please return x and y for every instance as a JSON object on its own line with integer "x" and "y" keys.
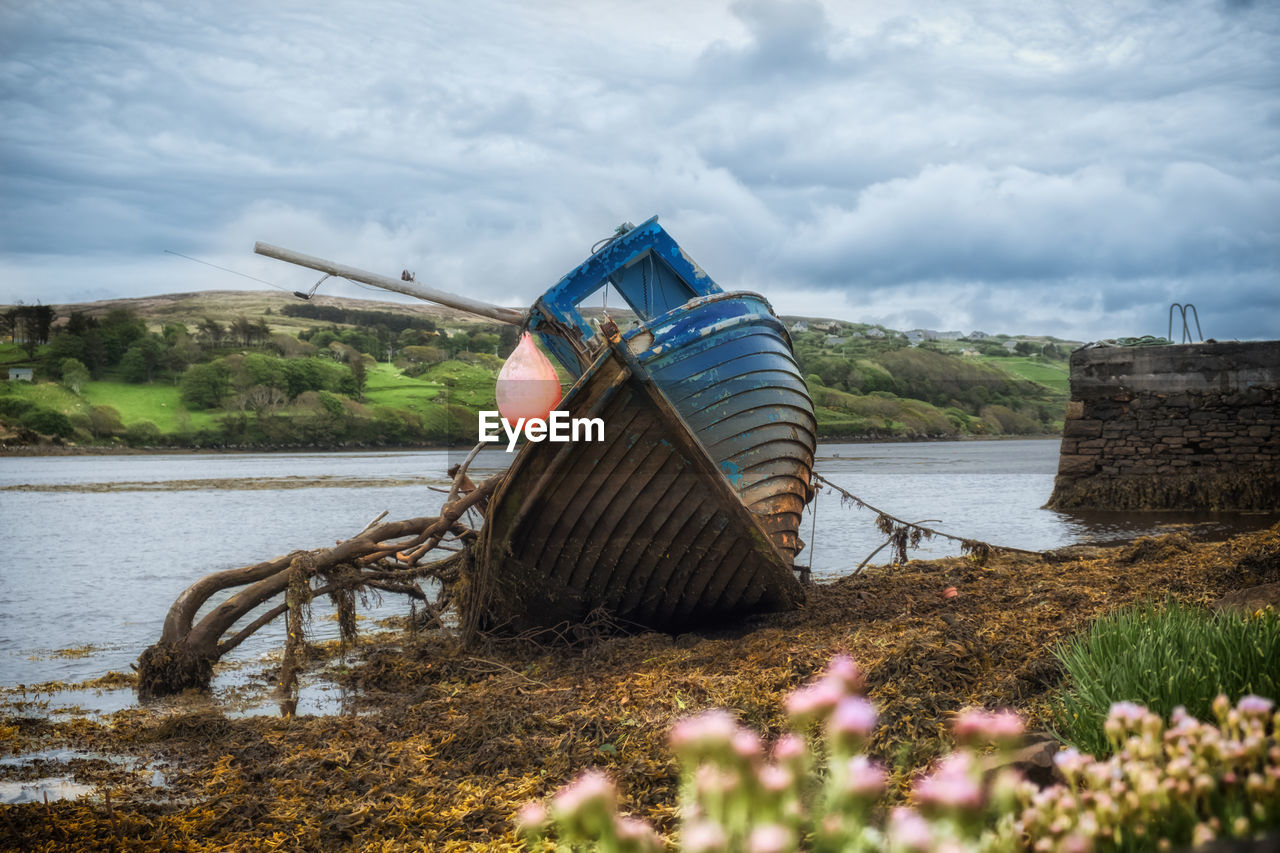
{"x": 158, "y": 402}
{"x": 12, "y": 354}
{"x": 1051, "y": 374}
{"x": 387, "y": 386}
{"x": 48, "y": 395}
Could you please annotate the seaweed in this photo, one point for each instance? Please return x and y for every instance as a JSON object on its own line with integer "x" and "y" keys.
{"x": 445, "y": 743}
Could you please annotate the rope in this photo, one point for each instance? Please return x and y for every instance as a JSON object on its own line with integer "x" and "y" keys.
{"x": 1144, "y": 341}
{"x": 233, "y": 272}
{"x": 813, "y": 534}
{"x": 970, "y": 546}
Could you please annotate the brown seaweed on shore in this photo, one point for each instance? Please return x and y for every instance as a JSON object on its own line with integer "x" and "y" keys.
{"x": 449, "y": 742}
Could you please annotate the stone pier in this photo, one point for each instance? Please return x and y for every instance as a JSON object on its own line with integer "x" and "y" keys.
{"x": 1180, "y": 427}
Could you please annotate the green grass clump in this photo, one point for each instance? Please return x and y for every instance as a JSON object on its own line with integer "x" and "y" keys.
{"x": 842, "y": 413}
{"x": 1163, "y": 657}
{"x": 469, "y": 385}
{"x": 387, "y": 386}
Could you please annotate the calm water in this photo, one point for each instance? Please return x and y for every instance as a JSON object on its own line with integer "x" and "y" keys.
{"x": 95, "y": 549}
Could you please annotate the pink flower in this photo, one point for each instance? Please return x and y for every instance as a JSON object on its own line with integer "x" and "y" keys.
{"x": 1254, "y": 706}
{"x": 707, "y": 733}
{"x": 982, "y": 726}
{"x": 1181, "y": 722}
{"x": 586, "y": 805}
{"x": 1071, "y": 762}
{"x": 789, "y": 749}
{"x": 1076, "y": 843}
{"x": 712, "y": 781}
{"x": 532, "y": 817}
{"x": 636, "y": 834}
{"x": 844, "y": 670}
{"x": 703, "y": 837}
{"x": 864, "y": 778}
{"x": 770, "y": 838}
{"x": 909, "y": 831}
{"x": 775, "y": 779}
{"x": 814, "y": 701}
{"x": 952, "y": 786}
{"x": 1127, "y": 712}
{"x": 854, "y": 716}
{"x": 590, "y": 788}
{"x": 746, "y": 745}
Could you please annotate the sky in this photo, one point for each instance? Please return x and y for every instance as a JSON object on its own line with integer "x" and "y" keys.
{"x": 1051, "y": 168}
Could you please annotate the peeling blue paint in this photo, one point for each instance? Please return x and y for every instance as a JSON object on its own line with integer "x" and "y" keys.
{"x": 646, "y": 267}
{"x": 732, "y": 472}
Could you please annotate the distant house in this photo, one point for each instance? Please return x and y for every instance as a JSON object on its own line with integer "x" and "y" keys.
{"x": 975, "y": 335}
{"x": 833, "y": 340}
{"x": 1010, "y": 345}
{"x": 800, "y": 326}
{"x": 918, "y": 335}
{"x": 21, "y": 374}
{"x": 873, "y": 332}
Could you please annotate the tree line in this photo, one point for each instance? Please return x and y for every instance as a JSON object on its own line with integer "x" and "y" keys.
{"x": 358, "y": 317}
{"x": 28, "y": 326}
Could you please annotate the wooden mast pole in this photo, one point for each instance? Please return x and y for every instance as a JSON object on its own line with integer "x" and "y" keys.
{"x": 513, "y": 316}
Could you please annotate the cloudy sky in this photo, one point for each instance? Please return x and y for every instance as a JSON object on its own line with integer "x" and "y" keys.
{"x": 1054, "y": 168}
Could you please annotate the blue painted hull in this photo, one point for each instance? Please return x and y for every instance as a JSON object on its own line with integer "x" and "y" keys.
{"x": 725, "y": 362}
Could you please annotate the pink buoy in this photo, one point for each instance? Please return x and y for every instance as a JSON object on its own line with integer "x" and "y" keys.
{"x": 527, "y": 384}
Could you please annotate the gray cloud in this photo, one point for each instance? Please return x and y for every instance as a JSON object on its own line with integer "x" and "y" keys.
{"x": 965, "y": 222}
{"x": 1067, "y": 171}
{"x": 789, "y": 40}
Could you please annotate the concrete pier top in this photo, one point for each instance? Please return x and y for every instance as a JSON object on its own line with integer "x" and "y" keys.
{"x": 1220, "y": 368}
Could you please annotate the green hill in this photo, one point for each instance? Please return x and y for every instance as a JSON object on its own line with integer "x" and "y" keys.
{"x": 264, "y": 369}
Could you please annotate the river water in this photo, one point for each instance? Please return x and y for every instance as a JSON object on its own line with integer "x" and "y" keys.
{"x": 96, "y": 548}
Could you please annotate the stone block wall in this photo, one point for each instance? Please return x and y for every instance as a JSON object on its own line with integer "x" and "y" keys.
{"x": 1181, "y": 427}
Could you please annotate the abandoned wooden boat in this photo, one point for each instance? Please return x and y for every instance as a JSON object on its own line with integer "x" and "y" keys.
{"x": 724, "y": 360}
{"x": 641, "y": 525}
{"x": 688, "y": 512}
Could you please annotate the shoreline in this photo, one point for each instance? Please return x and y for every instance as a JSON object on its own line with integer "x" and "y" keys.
{"x": 35, "y": 450}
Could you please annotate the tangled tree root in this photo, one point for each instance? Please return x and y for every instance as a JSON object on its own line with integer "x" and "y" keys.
{"x": 383, "y": 557}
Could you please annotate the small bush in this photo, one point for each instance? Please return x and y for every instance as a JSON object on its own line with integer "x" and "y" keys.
{"x": 14, "y": 407}
{"x": 48, "y": 422}
{"x": 104, "y": 422}
{"x": 142, "y": 434}
{"x": 1163, "y": 657}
